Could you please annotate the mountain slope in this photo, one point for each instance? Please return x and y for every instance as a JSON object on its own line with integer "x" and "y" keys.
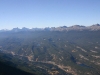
{"x": 55, "y": 52}
{"x": 8, "y": 70}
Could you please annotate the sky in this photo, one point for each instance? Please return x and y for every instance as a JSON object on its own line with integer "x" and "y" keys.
{"x": 48, "y": 13}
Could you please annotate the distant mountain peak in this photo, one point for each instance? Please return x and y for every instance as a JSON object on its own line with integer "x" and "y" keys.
{"x": 93, "y": 27}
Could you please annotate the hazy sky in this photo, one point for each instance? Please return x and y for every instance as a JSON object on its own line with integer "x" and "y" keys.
{"x": 48, "y": 13}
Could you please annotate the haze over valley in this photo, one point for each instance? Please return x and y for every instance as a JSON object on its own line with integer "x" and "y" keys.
{"x": 59, "y": 51}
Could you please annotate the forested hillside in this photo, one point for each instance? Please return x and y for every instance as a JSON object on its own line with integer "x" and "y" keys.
{"x": 53, "y": 52}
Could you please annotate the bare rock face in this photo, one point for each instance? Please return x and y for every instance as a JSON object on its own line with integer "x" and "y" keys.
{"x": 94, "y": 27}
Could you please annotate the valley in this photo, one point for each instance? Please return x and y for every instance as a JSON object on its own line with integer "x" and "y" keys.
{"x": 75, "y": 52}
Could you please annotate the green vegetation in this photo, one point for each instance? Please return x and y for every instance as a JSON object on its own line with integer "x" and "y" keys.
{"x": 9, "y": 70}
{"x": 57, "y": 52}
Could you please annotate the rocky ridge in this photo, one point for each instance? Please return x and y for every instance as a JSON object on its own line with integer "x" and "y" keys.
{"x": 94, "y": 27}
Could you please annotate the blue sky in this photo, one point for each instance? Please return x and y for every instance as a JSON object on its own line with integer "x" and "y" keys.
{"x": 48, "y": 13}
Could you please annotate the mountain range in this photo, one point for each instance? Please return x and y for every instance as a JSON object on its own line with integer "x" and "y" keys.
{"x": 63, "y": 50}
{"x": 61, "y": 28}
